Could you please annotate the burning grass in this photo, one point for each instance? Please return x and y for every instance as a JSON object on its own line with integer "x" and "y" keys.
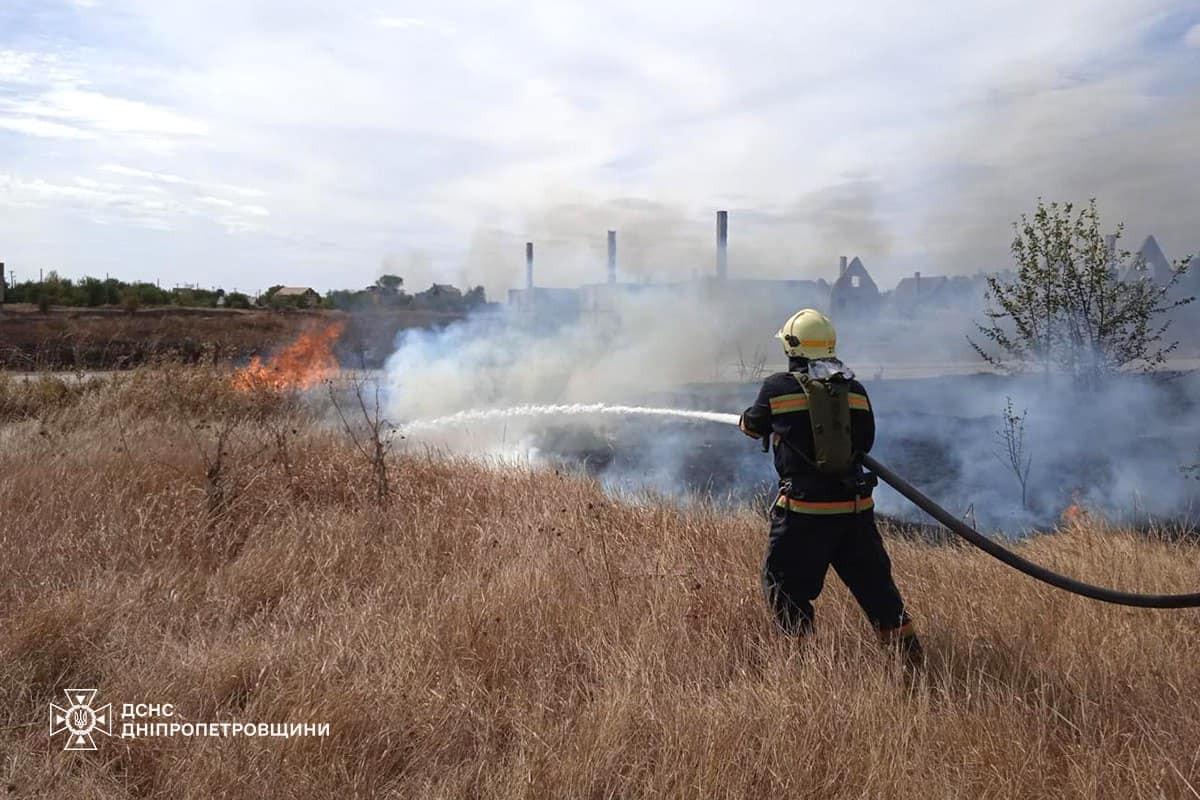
{"x": 488, "y": 633}
{"x": 302, "y": 364}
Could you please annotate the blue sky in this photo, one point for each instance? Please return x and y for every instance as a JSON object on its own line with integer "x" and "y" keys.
{"x": 257, "y": 142}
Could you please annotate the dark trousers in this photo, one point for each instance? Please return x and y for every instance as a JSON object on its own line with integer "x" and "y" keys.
{"x": 799, "y": 553}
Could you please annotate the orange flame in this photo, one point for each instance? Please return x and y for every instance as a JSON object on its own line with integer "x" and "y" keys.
{"x": 1074, "y": 513}
{"x": 301, "y": 365}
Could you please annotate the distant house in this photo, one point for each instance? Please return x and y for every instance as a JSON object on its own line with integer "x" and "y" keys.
{"x": 1156, "y": 264}
{"x": 440, "y": 297}
{"x": 297, "y": 296}
{"x": 1149, "y": 265}
{"x": 853, "y": 292}
{"x": 1189, "y": 283}
{"x": 441, "y": 290}
{"x": 919, "y": 290}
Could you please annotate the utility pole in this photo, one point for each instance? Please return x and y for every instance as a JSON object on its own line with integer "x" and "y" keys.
{"x": 722, "y": 245}
{"x": 612, "y": 256}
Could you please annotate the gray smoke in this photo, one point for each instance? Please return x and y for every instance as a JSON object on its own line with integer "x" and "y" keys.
{"x": 1118, "y": 449}
{"x": 660, "y": 242}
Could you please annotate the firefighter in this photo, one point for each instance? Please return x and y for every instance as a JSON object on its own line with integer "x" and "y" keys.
{"x": 820, "y": 422}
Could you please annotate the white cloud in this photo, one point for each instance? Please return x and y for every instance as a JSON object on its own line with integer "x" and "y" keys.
{"x": 400, "y": 22}
{"x": 166, "y": 177}
{"x": 40, "y": 127}
{"x": 221, "y": 202}
{"x": 14, "y": 65}
{"x": 108, "y": 113}
{"x": 413, "y": 23}
{"x": 22, "y": 68}
{"x": 1192, "y": 37}
{"x": 131, "y": 172}
{"x": 140, "y": 204}
{"x": 371, "y": 137}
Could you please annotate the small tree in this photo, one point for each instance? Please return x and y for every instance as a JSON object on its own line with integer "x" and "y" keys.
{"x": 1068, "y": 306}
{"x": 92, "y": 291}
{"x": 753, "y": 367}
{"x": 237, "y": 300}
{"x": 373, "y": 436}
{"x": 131, "y": 300}
{"x": 1011, "y": 454}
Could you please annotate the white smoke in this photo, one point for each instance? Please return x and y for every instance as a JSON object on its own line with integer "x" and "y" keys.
{"x": 1119, "y": 448}
{"x": 653, "y": 339}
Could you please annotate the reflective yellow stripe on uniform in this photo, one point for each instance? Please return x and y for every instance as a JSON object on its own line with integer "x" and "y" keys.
{"x": 799, "y": 402}
{"x": 835, "y": 507}
{"x": 789, "y": 402}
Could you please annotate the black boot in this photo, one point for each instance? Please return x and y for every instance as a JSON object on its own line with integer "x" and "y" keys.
{"x": 912, "y": 652}
{"x": 903, "y": 640}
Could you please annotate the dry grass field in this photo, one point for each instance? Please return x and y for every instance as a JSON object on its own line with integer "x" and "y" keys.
{"x": 109, "y": 338}
{"x": 492, "y": 633}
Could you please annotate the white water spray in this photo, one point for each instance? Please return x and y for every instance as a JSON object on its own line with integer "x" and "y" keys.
{"x": 573, "y": 410}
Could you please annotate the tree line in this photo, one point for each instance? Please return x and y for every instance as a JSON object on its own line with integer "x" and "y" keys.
{"x": 54, "y": 290}
{"x": 89, "y": 292}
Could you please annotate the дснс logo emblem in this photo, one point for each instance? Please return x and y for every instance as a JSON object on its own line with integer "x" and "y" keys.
{"x": 79, "y": 719}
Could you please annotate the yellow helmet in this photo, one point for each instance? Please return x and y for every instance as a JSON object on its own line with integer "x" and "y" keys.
{"x": 808, "y": 333}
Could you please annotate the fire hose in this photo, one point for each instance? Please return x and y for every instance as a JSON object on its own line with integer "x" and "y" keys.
{"x": 902, "y": 486}
{"x": 1035, "y": 571}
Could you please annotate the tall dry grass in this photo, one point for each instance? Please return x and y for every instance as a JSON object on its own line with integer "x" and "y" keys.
{"x": 504, "y": 633}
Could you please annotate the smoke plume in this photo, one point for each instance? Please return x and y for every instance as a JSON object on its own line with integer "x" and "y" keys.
{"x": 1119, "y": 449}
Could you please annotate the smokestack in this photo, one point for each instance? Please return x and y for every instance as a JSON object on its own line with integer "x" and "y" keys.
{"x": 722, "y": 244}
{"x": 841, "y": 266}
{"x": 529, "y": 265}
{"x": 612, "y": 256}
{"x": 3, "y": 283}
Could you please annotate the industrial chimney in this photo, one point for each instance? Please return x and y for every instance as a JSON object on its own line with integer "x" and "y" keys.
{"x": 612, "y": 256}
{"x": 529, "y": 265}
{"x": 3, "y": 282}
{"x": 722, "y": 245}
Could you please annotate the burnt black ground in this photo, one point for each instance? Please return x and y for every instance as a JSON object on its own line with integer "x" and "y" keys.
{"x": 1120, "y": 450}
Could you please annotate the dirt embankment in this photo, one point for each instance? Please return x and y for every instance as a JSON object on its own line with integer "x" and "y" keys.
{"x": 110, "y": 338}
